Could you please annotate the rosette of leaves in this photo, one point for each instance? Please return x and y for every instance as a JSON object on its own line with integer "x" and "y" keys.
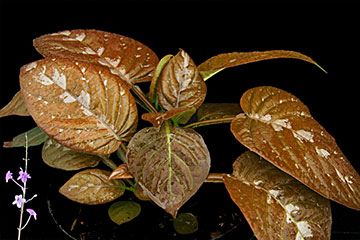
{"x": 83, "y": 98}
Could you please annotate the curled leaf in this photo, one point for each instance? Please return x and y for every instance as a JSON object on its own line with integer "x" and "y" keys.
{"x": 275, "y": 204}
{"x": 15, "y": 107}
{"x": 80, "y": 105}
{"x": 131, "y": 60}
{"x": 280, "y": 128}
{"x": 180, "y": 84}
{"x": 121, "y": 172}
{"x": 58, "y": 156}
{"x": 217, "y": 63}
{"x": 92, "y": 186}
{"x": 152, "y": 93}
{"x": 35, "y": 137}
{"x": 124, "y": 211}
{"x": 170, "y": 164}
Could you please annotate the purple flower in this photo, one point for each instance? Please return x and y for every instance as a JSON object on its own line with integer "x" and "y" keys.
{"x": 18, "y": 201}
{"x": 24, "y": 176}
{"x": 31, "y": 212}
{"x": 8, "y": 176}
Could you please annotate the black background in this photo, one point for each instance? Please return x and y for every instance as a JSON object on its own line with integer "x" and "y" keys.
{"x": 327, "y": 31}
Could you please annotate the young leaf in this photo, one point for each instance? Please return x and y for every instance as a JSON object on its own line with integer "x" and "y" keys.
{"x": 170, "y": 164}
{"x": 275, "y": 204}
{"x": 280, "y": 128}
{"x": 131, "y": 60}
{"x": 179, "y": 115}
{"x": 180, "y": 84}
{"x": 80, "y": 105}
{"x": 15, "y": 107}
{"x": 124, "y": 211}
{"x": 217, "y": 63}
{"x": 158, "y": 70}
{"x": 58, "y": 156}
{"x": 92, "y": 187}
{"x": 34, "y": 137}
{"x": 185, "y": 223}
{"x": 215, "y": 113}
{"x": 121, "y": 172}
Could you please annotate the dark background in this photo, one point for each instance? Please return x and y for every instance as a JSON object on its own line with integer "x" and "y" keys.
{"x": 327, "y": 31}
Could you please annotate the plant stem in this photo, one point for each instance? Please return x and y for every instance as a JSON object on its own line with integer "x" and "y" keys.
{"x": 108, "y": 162}
{"x": 121, "y": 152}
{"x": 208, "y": 122}
{"x": 23, "y": 188}
{"x": 211, "y": 178}
{"x": 215, "y": 178}
{"x": 136, "y": 89}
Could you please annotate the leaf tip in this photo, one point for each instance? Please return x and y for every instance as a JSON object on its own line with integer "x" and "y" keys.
{"x": 7, "y": 144}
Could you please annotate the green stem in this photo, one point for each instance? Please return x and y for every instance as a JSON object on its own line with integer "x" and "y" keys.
{"x": 215, "y": 178}
{"x": 136, "y": 89}
{"x": 108, "y": 162}
{"x": 121, "y": 152}
{"x": 209, "y": 122}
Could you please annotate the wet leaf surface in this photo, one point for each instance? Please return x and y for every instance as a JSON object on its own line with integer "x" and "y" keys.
{"x": 222, "y": 61}
{"x": 185, "y": 223}
{"x": 15, "y": 107}
{"x": 180, "y": 84}
{"x": 131, "y": 60}
{"x": 35, "y": 137}
{"x": 92, "y": 187}
{"x": 280, "y": 128}
{"x": 81, "y": 106}
{"x": 170, "y": 164}
{"x": 58, "y": 156}
{"x": 276, "y": 205}
{"x": 124, "y": 211}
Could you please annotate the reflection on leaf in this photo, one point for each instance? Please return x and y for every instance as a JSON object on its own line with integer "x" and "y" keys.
{"x": 130, "y": 60}
{"x": 279, "y": 127}
{"x": 180, "y": 84}
{"x": 92, "y": 186}
{"x": 81, "y": 106}
{"x": 275, "y": 204}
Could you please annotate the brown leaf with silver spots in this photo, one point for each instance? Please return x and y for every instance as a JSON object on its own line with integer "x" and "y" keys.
{"x": 276, "y": 206}
{"x": 279, "y": 127}
{"x": 222, "y": 61}
{"x": 127, "y": 58}
{"x": 80, "y": 105}
{"x": 92, "y": 187}
{"x": 180, "y": 84}
{"x": 170, "y": 164}
{"x": 58, "y": 156}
